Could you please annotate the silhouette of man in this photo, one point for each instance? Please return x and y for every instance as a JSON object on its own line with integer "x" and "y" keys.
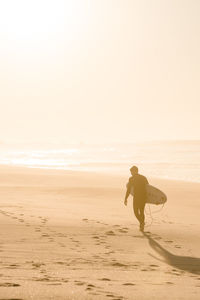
{"x": 138, "y": 183}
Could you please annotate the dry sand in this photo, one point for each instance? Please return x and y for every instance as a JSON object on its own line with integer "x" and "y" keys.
{"x": 67, "y": 235}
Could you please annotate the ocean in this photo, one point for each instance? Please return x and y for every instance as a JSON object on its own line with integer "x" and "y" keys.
{"x": 178, "y": 160}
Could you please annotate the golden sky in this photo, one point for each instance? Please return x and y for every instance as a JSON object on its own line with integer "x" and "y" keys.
{"x": 99, "y": 70}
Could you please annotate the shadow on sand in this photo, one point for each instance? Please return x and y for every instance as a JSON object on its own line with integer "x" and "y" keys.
{"x": 185, "y": 263}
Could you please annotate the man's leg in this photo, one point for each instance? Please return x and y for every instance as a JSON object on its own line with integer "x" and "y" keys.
{"x": 141, "y": 209}
{"x": 136, "y": 210}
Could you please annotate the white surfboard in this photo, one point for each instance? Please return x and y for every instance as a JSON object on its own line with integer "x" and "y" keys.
{"x": 154, "y": 195}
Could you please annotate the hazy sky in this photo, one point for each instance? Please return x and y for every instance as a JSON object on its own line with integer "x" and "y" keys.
{"x": 99, "y": 70}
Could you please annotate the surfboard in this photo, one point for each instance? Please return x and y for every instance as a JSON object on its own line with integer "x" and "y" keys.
{"x": 154, "y": 195}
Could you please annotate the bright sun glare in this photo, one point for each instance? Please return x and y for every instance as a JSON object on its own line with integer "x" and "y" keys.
{"x": 34, "y": 20}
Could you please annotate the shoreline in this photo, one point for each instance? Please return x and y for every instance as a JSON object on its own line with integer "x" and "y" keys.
{"x": 89, "y": 172}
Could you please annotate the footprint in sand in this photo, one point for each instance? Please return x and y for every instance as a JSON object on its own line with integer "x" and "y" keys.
{"x": 114, "y": 297}
{"x": 95, "y": 237}
{"x": 90, "y": 287}
{"x": 11, "y": 299}
{"x": 44, "y": 220}
{"x": 9, "y": 284}
{"x": 60, "y": 262}
{"x": 42, "y": 279}
{"x": 79, "y": 283}
{"x": 38, "y": 265}
{"x": 45, "y": 235}
{"x": 155, "y": 266}
{"x": 117, "y": 264}
{"x": 128, "y": 283}
{"x": 105, "y": 279}
{"x": 13, "y": 266}
{"x": 110, "y": 233}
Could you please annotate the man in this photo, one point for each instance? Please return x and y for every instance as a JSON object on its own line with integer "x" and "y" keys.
{"x": 138, "y": 183}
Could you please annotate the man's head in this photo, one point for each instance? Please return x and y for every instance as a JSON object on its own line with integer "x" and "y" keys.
{"x": 134, "y": 170}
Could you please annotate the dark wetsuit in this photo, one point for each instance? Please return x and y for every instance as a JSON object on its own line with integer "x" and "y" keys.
{"x": 138, "y": 182}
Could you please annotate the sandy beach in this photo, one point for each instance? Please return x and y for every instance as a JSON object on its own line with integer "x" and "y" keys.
{"x": 68, "y": 235}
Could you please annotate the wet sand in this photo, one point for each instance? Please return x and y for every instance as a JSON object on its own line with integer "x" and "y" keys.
{"x": 67, "y": 235}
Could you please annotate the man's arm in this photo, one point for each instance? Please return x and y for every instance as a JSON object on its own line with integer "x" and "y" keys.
{"x": 127, "y": 193}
